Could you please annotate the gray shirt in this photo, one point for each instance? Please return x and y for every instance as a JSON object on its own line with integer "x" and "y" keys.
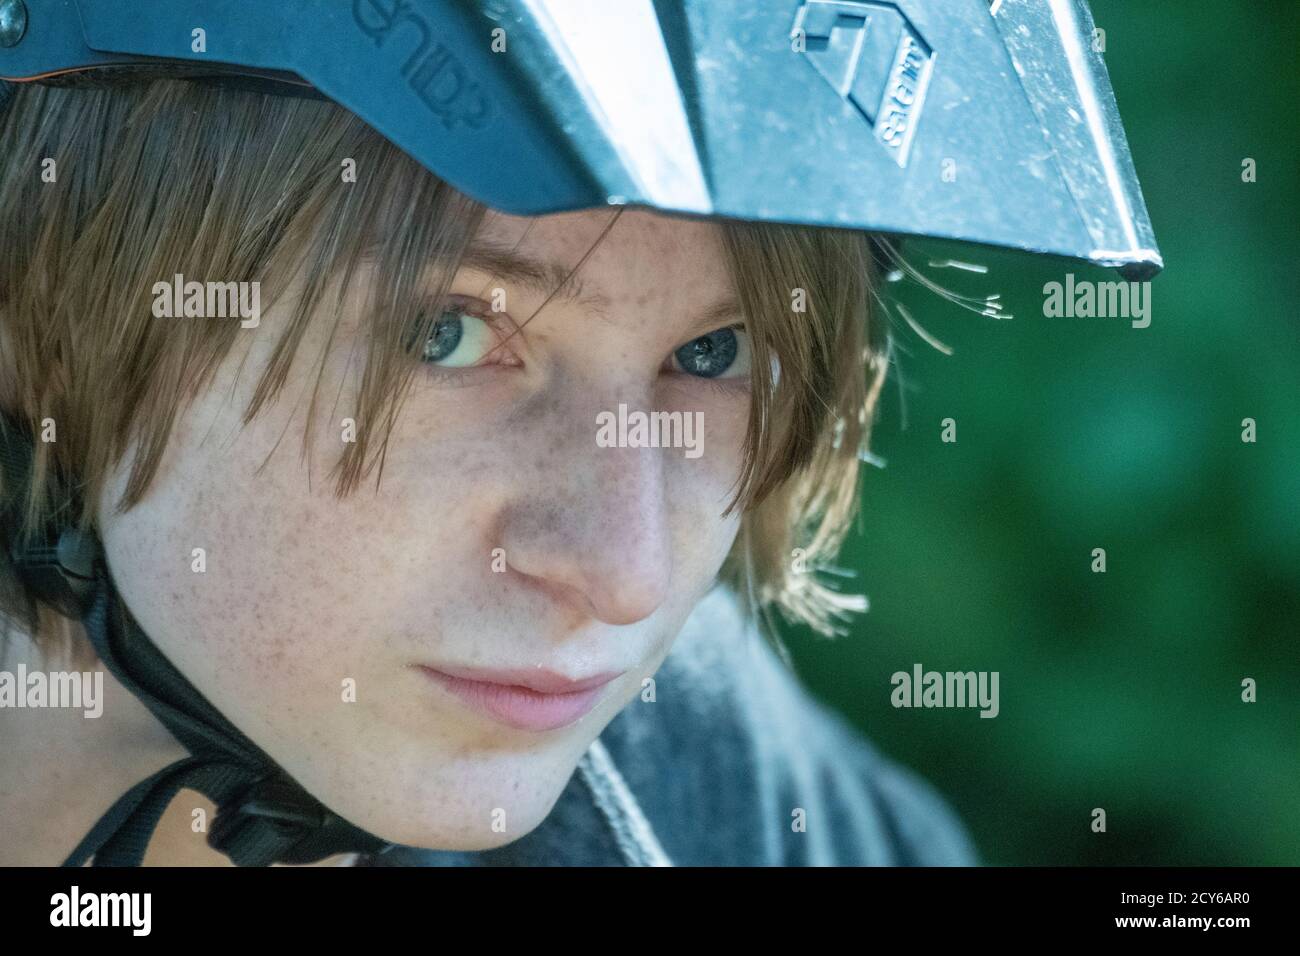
{"x": 732, "y": 764}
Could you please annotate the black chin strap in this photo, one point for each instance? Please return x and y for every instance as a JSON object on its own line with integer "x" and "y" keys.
{"x": 263, "y": 815}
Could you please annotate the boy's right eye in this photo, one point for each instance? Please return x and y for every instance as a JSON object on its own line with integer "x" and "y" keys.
{"x": 458, "y": 339}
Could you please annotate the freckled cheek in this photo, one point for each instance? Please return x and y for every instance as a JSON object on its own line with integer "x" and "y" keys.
{"x": 700, "y": 490}
{"x": 722, "y": 439}
{"x": 283, "y": 582}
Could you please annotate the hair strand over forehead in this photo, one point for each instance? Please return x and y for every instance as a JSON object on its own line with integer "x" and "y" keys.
{"x": 170, "y": 177}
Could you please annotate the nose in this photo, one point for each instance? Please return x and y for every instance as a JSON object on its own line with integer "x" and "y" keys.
{"x": 594, "y": 534}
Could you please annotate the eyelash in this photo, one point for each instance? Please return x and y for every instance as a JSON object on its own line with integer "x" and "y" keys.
{"x": 466, "y": 306}
{"x": 722, "y": 386}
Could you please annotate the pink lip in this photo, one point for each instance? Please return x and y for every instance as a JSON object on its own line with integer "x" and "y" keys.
{"x": 531, "y": 699}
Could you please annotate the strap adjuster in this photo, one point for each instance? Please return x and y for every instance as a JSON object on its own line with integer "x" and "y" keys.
{"x": 61, "y": 571}
{"x": 266, "y": 822}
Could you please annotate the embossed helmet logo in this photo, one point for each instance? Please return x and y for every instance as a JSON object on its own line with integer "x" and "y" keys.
{"x": 872, "y": 56}
{"x": 433, "y": 72}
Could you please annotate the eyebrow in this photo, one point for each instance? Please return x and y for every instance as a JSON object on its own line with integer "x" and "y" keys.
{"x": 556, "y": 281}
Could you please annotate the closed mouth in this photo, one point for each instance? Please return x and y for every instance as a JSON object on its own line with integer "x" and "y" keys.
{"x": 534, "y": 699}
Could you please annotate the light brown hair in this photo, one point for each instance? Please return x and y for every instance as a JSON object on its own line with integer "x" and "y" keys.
{"x": 172, "y": 177}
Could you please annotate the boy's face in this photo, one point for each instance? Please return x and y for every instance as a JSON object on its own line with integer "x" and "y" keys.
{"x": 504, "y": 536}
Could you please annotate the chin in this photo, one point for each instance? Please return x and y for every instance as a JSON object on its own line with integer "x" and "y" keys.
{"x": 459, "y": 798}
{"x": 481, "y": 811}
{"x": 462, "y": 834}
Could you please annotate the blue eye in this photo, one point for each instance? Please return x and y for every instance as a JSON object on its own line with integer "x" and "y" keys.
{"x": 443, "y": 338}
{"x": 457, "y": 340}
{"x": 712, "y": 355}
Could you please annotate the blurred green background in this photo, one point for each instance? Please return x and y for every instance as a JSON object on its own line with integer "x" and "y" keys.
{"x": 1119, "y": 690}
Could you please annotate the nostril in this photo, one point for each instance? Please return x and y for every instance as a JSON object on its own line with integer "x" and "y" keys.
{"x": 568, "y": 596}
{"x": 598, "y": 592}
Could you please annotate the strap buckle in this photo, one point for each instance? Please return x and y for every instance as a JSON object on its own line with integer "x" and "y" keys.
{"x": 62, "y": 573}
{"x": 266, "y": 822}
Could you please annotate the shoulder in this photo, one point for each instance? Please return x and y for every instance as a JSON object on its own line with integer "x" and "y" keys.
{"x": 737, "y": 764}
